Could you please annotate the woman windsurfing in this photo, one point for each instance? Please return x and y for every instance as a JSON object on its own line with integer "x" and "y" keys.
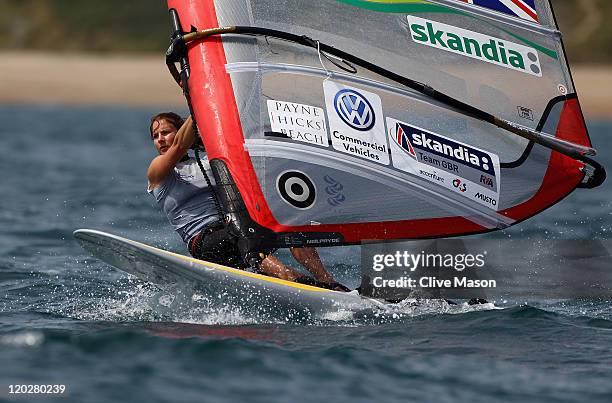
{"x": 183, "y": 194}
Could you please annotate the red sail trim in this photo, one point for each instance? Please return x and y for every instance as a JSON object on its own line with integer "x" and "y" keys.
{"x": 563, "y": 173}
{"x": 572, "y": 127}
{"x": 214, "y": 105}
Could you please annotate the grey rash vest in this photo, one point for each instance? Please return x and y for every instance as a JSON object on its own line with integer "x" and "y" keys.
{"x": 186, "y": 199}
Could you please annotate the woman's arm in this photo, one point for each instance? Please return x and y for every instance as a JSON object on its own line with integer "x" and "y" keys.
{"x": 163, "y": 164}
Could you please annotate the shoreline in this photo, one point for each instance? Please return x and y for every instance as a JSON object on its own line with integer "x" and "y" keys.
{"x": 89, "y": 80}
{"x": 143, "y": 80}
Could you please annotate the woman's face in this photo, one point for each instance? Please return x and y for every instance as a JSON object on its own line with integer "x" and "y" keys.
{"x": 163, "y": 135}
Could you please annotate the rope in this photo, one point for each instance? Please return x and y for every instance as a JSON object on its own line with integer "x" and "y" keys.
{"x": 209, "y": 183}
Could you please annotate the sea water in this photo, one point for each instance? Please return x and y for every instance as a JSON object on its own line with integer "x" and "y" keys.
{"x": 69, "y": 319}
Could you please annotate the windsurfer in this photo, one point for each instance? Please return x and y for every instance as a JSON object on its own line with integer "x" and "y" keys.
{"x": 183, "y": 194}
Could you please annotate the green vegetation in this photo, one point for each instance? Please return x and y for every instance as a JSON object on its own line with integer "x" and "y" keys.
{"x": 77, "y": 25}
{"x": 142, "y": 26}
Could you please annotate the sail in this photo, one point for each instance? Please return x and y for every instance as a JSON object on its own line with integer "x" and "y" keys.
{"x": 525, "y": 9}
{"x": 310, "y": 149}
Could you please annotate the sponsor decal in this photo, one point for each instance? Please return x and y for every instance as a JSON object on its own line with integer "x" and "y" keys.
{"x": 430, "y": 143}
{"x": 334, "y": 190}
{"x": 292, "y": 240}
{"x": 459, "y": 185}
{"x": 355, "y": 122}
{"x": 433, "y": 176}
{"x": 525, "y": 113}
{"x": 402, "y": 139}
{"x": 475, "y": 45}
{"x": 486, "y": 199}
{"x": 354, "y": 109}
{"x": 457, "y": 166}
{"x": 300, "y": 122}
{"x": 525, "y": 9}
{"x": 296, "y": 189}
{"x": 486, "y": 180}
{"x": 323, "y": 241}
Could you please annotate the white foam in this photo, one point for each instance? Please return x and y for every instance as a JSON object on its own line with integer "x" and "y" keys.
{"x": 23, "y": 339}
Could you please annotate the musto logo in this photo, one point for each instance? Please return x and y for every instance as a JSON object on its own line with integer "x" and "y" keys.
{"x": 475, "y": 45}
{"x": 354, "y": 110}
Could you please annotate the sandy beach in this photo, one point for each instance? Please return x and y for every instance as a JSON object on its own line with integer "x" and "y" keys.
{"x": 77, "y": 79}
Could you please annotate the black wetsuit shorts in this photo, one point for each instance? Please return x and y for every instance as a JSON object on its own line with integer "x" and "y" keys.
{"x": 216, "y": 245}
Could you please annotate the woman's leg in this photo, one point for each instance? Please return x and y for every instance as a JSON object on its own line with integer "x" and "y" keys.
{"x": 271, "y": 266}
{"x": 309, "y": 258}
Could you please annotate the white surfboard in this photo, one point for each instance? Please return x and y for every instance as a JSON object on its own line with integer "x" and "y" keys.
{"x": 167, "y": 268}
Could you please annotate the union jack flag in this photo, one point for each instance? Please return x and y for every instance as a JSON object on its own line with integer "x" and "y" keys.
{"x": 402, "y": 139}
{"x": 524, "y": 9}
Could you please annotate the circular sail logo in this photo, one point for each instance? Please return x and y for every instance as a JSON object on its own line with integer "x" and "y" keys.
{"x": 296, "y": 189}
{"x": 354, "y": 110}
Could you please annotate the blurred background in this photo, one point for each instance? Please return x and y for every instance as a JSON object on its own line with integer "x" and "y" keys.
{"x": 111, "y": 52}
{"x": 141, "y": 26}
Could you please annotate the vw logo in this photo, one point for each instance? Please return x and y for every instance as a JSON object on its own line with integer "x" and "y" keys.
{"x": 354, "y": 109}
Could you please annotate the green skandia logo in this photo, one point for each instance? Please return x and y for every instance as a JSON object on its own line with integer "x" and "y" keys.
{"x": 475, "y": 45}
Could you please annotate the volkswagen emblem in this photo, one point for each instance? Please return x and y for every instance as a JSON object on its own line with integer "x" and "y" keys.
{"x": 354, "y": 110}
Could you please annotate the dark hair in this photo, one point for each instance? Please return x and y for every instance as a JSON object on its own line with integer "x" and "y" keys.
{"x": 171, "y": 117}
